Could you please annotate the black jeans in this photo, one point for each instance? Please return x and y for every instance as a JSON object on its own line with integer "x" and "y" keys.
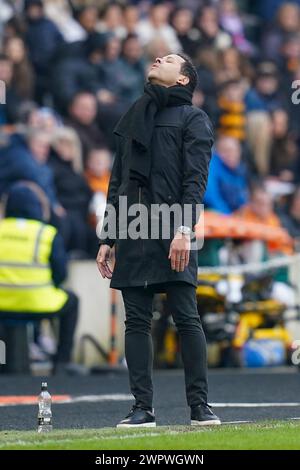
{"x": 67, "y": 316}
{"x": 182, "y": 302}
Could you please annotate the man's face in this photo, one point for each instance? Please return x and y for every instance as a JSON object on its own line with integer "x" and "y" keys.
{"x": 261, "y": 204}
{"x": 132, "y": 49}
{"x": 159, "y": 15}
{"x": 99, "y": 161}
{"x": 183, "y": 21}
{"x": 267, "y": 85}
{"x": 166, "y": 71}
{"x": 229, "y": 150}
{"x": 208, "y": 21}
{"x": 84, "y": 109}
{"x": 35, "y": 12}
{"x": 88, "y": 18}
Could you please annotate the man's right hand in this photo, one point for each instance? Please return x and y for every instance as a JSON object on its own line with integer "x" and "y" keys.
{"x": 103, "y": 261}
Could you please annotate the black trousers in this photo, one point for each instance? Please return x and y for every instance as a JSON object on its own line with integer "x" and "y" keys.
{"x": 67, "y": 316}
{"x": 182, "y": 302}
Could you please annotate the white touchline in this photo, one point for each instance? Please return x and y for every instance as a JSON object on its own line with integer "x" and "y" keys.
{"x": 254, "y": 405}
{"x": 97, "y": 398}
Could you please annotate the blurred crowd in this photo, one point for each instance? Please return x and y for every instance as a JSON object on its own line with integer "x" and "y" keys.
{"x": 73, "y": 67}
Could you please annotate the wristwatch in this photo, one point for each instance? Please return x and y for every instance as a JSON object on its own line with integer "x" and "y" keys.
{"x": 184, "y": 230}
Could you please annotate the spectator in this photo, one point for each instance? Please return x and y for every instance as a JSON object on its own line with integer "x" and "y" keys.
{"x": 227, "y": 188}
{"x": 232, "y": 110}
{"x": 82, "y": 118}
{"x": 117, "y": 90}
{"x": 44, "y": 119}
{"x": 290, "y": 54}
{"x": 112, "y": 20}
{"x": 284, "y": 152}
{"x": 260, "y": 209}
{"x": 157, "y": 25}
{"x": 98, "y": 169}
{"x": 38, "y": 144}
{"x": 233, "y": 65}
{"x": 131, "y": 18}
{"x": 24, "y": 158}
{"x": 231, "y": 21}
{"x": 207, "y": 82}
{"x": 211, "y": 34}
{"x": 15, "y": 26}
{"x": 182, "y": 21}
{"x": 23, "y": 76}
{"x": 43, "y": 40}
{"x": 266, "y": 94}
{"x": 133, "y": 66}
{"x": 98, "y": 175}
{"x": 73, "y": 192}
{"x": 261, "y": 100}
{"x": 87, "y": 16}
{"x": 8, "y": 111}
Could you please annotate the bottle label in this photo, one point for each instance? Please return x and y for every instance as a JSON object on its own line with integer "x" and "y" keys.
{"x": 44, "y": 421}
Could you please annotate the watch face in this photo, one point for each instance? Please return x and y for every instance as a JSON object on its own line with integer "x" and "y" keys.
{"x": 184, "y": 230}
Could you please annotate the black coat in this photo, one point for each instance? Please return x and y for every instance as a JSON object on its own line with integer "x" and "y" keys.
{"x": 180, "y": 152}
{"x": 73, "y": 191}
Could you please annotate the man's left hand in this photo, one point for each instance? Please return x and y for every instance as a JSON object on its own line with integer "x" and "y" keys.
{"x": 180, "y": 252}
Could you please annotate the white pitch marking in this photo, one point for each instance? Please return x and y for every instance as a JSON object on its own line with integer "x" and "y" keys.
{"x": 97, "y": 398}
{"x": 236, "y": 422}
{"x": 254, "y": 405}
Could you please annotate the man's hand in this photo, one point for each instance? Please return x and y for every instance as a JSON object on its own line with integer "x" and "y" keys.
{"x": 103, "y": 261}
{"x": 180, "y": 251}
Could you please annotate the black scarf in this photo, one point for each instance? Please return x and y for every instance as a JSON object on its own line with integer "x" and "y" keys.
{"x": 137, "y": 124}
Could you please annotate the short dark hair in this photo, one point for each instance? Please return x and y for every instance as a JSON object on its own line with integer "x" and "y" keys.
{"x": 189, "y": 70}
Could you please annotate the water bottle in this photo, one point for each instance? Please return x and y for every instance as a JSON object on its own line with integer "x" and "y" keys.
{"x": 44, "y": 414}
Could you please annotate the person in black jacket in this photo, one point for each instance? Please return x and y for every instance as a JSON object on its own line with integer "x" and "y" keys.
{"x": 73, "y": 193}
{"x": 43, "y": 40}
{"x": 163, "y": 153}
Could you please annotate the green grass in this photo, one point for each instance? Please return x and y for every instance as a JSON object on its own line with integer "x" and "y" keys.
{"x": 266, "y": 435}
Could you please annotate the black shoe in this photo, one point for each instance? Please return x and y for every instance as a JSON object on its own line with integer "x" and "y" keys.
{"x": 138, "y": 417}
{"x": 202, "y": 415}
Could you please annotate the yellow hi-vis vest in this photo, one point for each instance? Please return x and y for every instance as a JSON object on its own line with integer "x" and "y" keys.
{"x": 25, "y": 274}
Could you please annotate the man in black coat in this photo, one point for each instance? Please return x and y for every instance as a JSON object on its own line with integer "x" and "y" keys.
{"x": 163, "y": 150}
